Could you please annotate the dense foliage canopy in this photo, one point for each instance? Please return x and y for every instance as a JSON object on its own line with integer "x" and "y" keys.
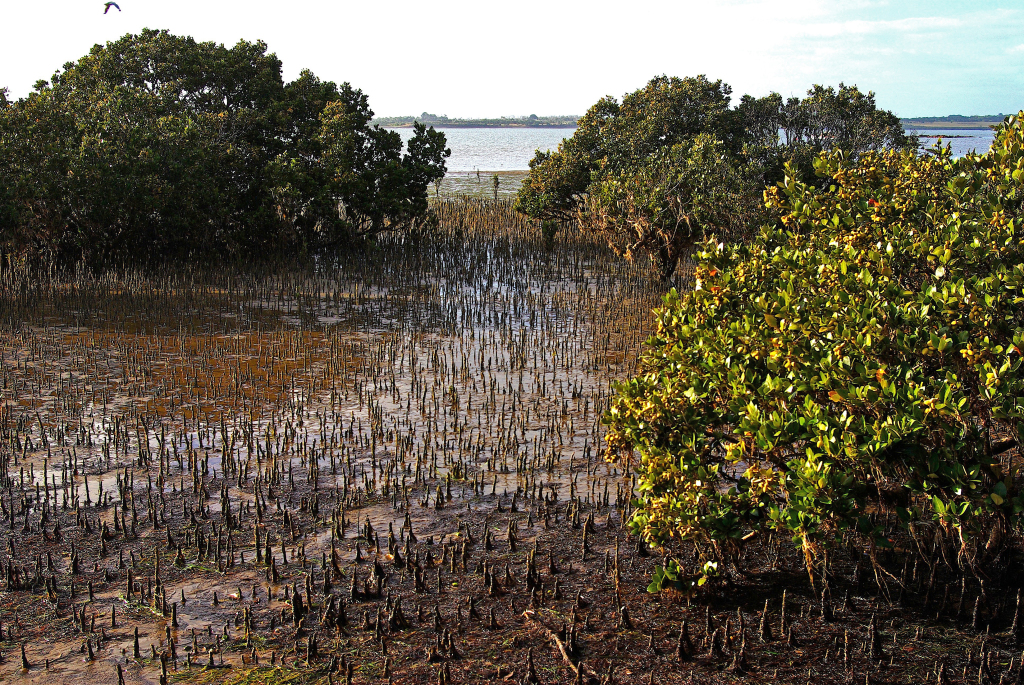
{"x": 867, "y": 348}
{"x": 159, "y": 146}
{"x": 673, "y": 161}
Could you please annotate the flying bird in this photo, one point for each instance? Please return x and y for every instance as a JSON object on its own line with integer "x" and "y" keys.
{"x": 108, "y": 5}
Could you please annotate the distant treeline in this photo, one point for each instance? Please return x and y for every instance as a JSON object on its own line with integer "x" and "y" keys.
{"x": 981, "y": 121}
{"x": 531, "y": 121}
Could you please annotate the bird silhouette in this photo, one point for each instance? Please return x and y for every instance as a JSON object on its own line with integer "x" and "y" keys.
{"x": 108, "y": 5}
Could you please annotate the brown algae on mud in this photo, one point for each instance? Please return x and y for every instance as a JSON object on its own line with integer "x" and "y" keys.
{"x": 386, "y": 467}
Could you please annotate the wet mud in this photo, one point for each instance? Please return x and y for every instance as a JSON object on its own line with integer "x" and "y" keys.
{"x": 391, "y": 468}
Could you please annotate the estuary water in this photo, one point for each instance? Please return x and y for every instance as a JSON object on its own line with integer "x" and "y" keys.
{"x": 960, "y": 141}
{"x": 511, "y": 149}
{"x": 496, "y": 149}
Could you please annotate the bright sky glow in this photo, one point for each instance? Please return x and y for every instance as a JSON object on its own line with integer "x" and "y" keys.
{"x": 473, "y": 59}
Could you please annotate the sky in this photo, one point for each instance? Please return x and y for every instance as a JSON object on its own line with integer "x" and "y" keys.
{"x": 465, "y": 58}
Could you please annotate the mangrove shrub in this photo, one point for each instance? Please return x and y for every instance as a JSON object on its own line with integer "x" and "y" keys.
{"x": 648, "y": 172}
{"x": 866, "y": 350}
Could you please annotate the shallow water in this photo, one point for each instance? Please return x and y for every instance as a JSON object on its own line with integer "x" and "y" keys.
{"x": 496, "y": 149}
{"x": 478, "y": 152}
{"x": 960, "y": 141}
{"x": 479, "y": 364}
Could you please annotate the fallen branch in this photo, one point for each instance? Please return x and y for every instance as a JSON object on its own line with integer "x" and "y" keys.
{"x": 531, "y": 616}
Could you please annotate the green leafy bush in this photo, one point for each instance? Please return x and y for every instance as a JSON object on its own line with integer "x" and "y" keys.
{"x": 672, "y": 576}
{"x": 865, "y": 349}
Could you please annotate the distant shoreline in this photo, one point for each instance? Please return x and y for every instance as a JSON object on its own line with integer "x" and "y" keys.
{"x": 953, "y": 122}
{"x": 562, "y": 121}
{"x": 929, "y": 125}
{"x": 509, "y": 125}
{"x": 913, "y": 125}
{"x": 923, "y": 124}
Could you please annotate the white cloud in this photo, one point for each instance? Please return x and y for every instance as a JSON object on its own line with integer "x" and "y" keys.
{"x": 467, "y": 58}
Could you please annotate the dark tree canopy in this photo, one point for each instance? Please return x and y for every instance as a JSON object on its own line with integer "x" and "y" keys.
{"x": 156, "y": 146}
{"x": 611, "y": 137}
{"x": 642, "y": 171}
{"x": 796, "y": 130}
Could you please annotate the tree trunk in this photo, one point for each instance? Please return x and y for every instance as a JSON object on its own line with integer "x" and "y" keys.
{"x": 668, "y": 258}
